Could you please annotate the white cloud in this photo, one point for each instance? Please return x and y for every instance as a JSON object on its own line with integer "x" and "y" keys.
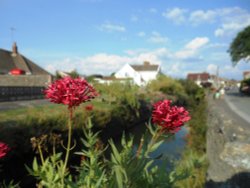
{"x": 184, "y": 54}
{"x": 231, "y": 27}
{"x": 191, "y": 49}
{"x": 134, "y": 18}
{"x": 103, "y": 63}
{"x": 157, "y": 38}
{"x": 153, "y": 10}
{"x": 196, "y": 43}
{"x": 212, "y": 68}
{"x": 219, "y": 32}
{"x": 173, "y": 63}
{"x": 218, "y": 45}
{"x": 232, "y": 21}
{"x": 108, "y": 27}
{"x": 229, "y": 20}
{"x": 141, "y": 34}
{"x": 135, "y": 52}
{"x": 174, "y": 69}
{"x": 177, "y": 15}
{"x": 200, "y": 16}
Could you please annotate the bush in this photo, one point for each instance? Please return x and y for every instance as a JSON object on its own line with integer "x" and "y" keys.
{"x": 245, "y": 86}
{"x": 166, "y": 85}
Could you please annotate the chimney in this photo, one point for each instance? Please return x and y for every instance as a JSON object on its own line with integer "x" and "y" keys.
{"x": 146, "y": 63}
{"x": 14, "y": 48}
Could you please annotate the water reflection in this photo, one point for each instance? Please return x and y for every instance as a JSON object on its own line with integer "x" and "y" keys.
{"x": 171, "y": 149}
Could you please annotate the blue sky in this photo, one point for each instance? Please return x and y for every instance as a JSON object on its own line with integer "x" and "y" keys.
{"x": 99, "y": 36}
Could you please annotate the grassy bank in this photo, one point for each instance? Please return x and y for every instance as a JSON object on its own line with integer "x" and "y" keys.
{"x": 194, "y": 154}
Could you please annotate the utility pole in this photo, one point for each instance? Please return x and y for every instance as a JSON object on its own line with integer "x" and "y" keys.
{"x": 217, "y": 78}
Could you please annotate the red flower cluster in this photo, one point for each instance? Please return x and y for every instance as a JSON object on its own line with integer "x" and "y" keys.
{"x": 89, "y": 107}
{"x": 4, "y": 148}
{"x": 170, "y": 118}
{"x": 70, "y": 91}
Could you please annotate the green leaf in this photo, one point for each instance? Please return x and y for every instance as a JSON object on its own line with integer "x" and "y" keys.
{"x": 155, "y": 146}
{"x": 35, "y": 165}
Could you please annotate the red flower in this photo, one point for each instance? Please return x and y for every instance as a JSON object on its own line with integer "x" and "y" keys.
{"x": 70, "y": 91}
{"x": 4, "y": 148}
{"x": 170, "y": 118}
{"x": 89, "y": 107}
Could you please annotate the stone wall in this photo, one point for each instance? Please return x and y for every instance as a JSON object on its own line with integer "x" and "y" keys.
{"x": 23, "y": 87}
{"x": 228, "y": 148}
{"x": 25, "y": 80}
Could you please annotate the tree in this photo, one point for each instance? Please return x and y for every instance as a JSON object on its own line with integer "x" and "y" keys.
{"x": 240, "y": 47}
{"x": 74, "y": 74}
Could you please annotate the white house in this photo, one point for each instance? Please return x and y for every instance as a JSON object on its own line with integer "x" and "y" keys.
{"x": 140, "y": 74}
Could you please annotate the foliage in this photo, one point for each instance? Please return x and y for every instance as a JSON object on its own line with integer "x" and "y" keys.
{"x": 74, "y": 74}
{"x": 129, "y": 166}
{"x": 195, "y": 151}
{"x": 11, "y": 184}
{"x": 197, "y": 168}
{"x": 240, "y": 46}
{"x": 195, "y": 93}
{"x": 245, "y": 86}
{"x": 167, "y": 85}
{"x": 92, "y": 171}
{"x": 49, "y": 173}
{"x": 120, "y": 95}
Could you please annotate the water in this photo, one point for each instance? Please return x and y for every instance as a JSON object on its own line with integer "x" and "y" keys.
{"x": 171, "y": 149}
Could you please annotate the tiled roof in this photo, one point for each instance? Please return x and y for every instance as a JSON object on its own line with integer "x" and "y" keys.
{"x": 198, "y": 76}
{"x": 145, "y": 67}
{"x": 9, "y": 61}
{"x": 246, "y": 73}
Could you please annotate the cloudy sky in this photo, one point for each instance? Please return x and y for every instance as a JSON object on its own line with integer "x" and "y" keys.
{"x": 99, "y": 36}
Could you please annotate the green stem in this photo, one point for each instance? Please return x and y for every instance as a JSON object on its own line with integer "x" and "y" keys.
{"x": 40, "y": 153}
{"x": 153, "y": 140}
{"x": 68, "y": 144}
{"x": 138, "y": 152}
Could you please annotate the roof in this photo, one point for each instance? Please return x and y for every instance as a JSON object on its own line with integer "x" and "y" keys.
{"x": 198, "y": 76}
{"x": 10, "y": 60}
{"x": 246, "y": 73}
{"x": 146, "y": 66}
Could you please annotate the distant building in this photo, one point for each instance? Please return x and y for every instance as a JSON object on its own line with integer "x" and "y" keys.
{"x": 246, "y": 74}
{"x": 200, "y": 78}
{"x": 20, "y": 77}
{"x": 205, "y": 79}
{"x": 140, "y": 74}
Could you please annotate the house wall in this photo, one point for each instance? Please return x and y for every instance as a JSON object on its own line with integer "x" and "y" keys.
{"x": 128, "y": 72}
{"x": 140, "y": 78}
{"x": 125, "y": 72}
{"x": 148, "y": 75}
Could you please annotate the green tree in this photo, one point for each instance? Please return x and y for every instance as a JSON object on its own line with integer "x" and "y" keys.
{"x": 240, "y": 47}
{"x": 74, "y": 74}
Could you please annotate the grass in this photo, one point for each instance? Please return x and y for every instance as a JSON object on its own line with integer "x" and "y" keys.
{"x": 45, "y": 111}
